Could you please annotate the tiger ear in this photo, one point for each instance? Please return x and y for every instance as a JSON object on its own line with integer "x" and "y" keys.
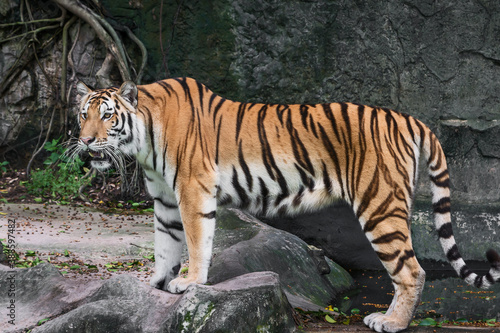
{"x": 128, "y": 91}
{"x": 82, "y": 89}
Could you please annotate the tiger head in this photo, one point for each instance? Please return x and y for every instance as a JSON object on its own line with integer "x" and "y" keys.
{"x": 103, "y": 123}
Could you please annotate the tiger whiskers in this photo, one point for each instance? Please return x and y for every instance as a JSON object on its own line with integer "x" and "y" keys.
{"x": 117, "y": 158}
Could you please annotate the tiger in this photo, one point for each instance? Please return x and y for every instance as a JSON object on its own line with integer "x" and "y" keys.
{"x": 200, "y": 151}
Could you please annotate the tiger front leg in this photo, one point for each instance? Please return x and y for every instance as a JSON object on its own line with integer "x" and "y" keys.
{"x": 198, "y": 210}
{"x": 169, "y": 240}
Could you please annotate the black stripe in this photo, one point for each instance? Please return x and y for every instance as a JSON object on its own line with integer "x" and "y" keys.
{"x": 453, "y": 253}
{"x": 327, "y": 109}
{"x": 347, "y": 122}
{"x": 298, "y": 198}
{"x": 409, "y": 126}
{"x": 490, "y": 278}
{"x": 388, "y": 238}
{"x": 465, "y": 272}
{"x": 218, "y": 141}
{"x": 145, "y": 92}
{"x": 239, "y": 120}
{"x": 280, "y": 110}
{"x": 362, "y": 149}
{"x": 217, "y": 107}
{"x": 478, "y": 281}
{"x": 178, "y": 161}
{"x": 326, "y": 179}
{"x": 210, "y": 102}
{"x": 187, "y": 92}
{"x": 299, "y": 150}
{"x": 445, "y": 231}
{"x": 441, "y": 183}
{"x": 369, "y": 194}
{"x": 408, "y": 254}
{"x": 209, "y": 216}
{"x": 348, "y": 182}
{"x": 130, "y": 123}
{"x": 225, "y": 200}
{"x": 374, "y": 129}
{"x": 264, "y": 193}
{"x": 304, "y": 113}
{"x": 373, "y": 222}
{"x": 307, "y": 181}
{"x": 245, "y": 168}
{"x": 443, "y": 206}
{"x": 168, "y": 232}
{"x": 167, "y": 87}
{"x": 268, "y": 158}
{"x": 164, "y": 156}
{"x": 200, "y": 92}
{"x": 388, "y": 257}
{"x": 164, "y": 203}
{"x": 149, "y": 120}
{"x": 436, "y": 151}
{"x": 123, "y": 119}
{"x": 333, "y": 155}
{"x": 176, "y": 225}
{"x": 244, "y": 199}
{"x": 313, "y": 126}
{"x": 380, "y": 212}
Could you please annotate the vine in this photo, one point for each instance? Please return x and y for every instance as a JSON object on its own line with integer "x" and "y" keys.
{"x": 37, "y": 33}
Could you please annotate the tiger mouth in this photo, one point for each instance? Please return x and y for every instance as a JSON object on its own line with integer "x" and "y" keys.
{"x": 98, "y": 155}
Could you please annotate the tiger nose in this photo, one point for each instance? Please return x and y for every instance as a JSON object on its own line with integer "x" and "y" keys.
{"x": 87, "y": 140}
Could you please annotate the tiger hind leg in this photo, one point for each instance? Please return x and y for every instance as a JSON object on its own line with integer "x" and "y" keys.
{"x": 395, "y": 251}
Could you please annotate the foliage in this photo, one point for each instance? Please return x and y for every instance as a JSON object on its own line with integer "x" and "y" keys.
{"x": 3, "y": 166}
{"x": 62, "y": 177}
{"x": 30, "y": 258}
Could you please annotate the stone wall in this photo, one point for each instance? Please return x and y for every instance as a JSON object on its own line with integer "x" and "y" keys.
{"x": 436, "y": 60}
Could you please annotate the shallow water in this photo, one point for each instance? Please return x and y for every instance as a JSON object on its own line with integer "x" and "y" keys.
{"x": 445, "y": 296}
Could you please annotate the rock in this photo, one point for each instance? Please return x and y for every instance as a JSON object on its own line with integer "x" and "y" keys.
{"x": 120, "y": 304}
{"x": 249, "y": 303}
{"x": 243, "y": 244}
{"x": 473, "y": 155}
{"x": 337, "y": 232}
{"x": 38, "y": 293}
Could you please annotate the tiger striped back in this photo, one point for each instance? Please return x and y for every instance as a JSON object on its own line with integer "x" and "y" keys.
{"x": 200, "y": 151}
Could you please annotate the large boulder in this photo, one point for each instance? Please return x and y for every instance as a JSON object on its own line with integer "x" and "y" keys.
{"x": 124, "y": 304}
{"x": 244, "y": 244}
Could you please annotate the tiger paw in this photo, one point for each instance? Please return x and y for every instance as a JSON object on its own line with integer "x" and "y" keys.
{"x": 180, "y": 284}
{"x": 380, "y": 322}
{"x": 159, "y": 282}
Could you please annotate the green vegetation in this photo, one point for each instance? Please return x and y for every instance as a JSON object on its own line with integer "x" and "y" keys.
{"x": 458, "y": 322}
{"x": 61, "y": 179}
{"x": 28, "y": 259}
{"x": 3, "y": 166}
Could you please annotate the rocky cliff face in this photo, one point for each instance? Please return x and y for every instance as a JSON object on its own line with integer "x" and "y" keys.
{"x": 438, "y": 61}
